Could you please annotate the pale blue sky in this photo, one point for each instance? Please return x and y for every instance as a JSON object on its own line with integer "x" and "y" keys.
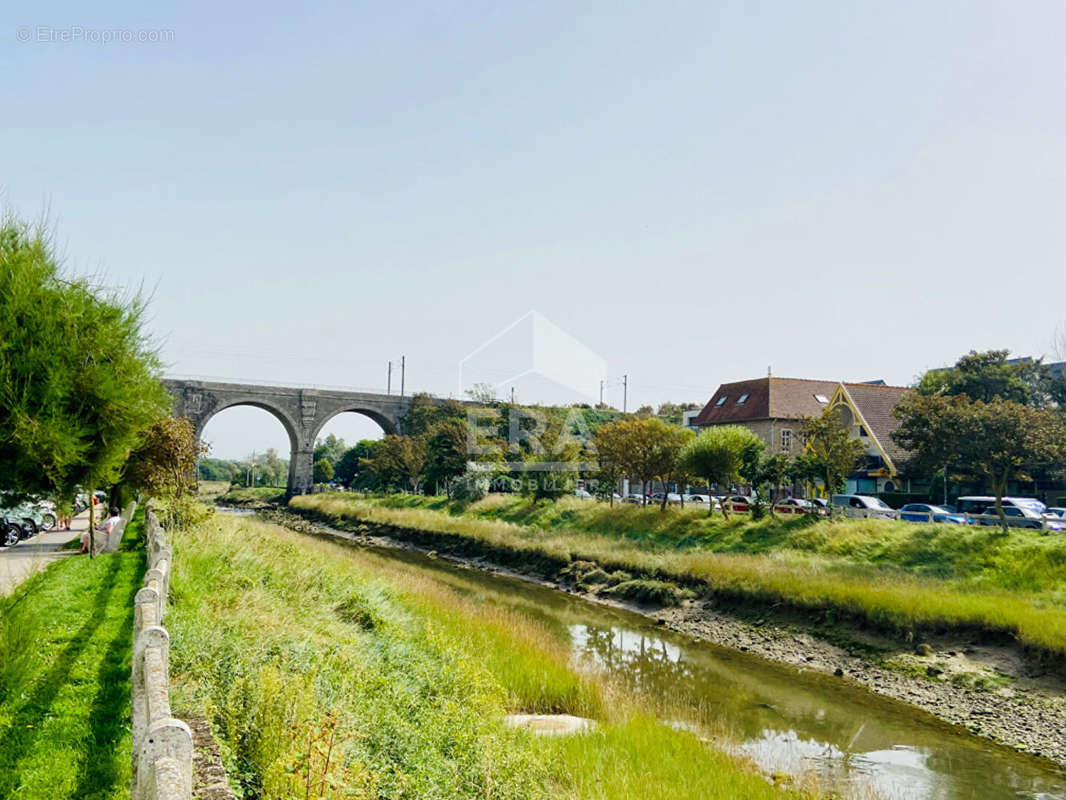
{"x": 693, "y": 190}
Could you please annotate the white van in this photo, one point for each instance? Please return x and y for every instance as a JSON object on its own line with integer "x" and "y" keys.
{"x": 861, "y": 506}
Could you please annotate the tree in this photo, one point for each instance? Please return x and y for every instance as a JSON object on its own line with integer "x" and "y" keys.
{"x": 79, "y": 379}
{"x": 674, "y": 412}
{"x": 831, "y": 450}
{"x": 331, "y": 448}
{"x": 989, "y": 375}
{"x": 446, "y": 453}
{"x": 323, "y": 471}
{"x": 999, "y": 441}
{"x": 717, "y": 455}
{"x": 164, "y": 465}
{"x": 215, "y": 469}
{"x": 349, "y": 466}
{"x": 774, "y": 471}
{"x": 398, "y": 461}
{"x": 615, "y": 449}
{"x": 666, "y": 442}
{"x": 929, "y": 431}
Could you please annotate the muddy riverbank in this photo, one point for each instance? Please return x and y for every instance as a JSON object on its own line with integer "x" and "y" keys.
{"x": 988, "y": 688}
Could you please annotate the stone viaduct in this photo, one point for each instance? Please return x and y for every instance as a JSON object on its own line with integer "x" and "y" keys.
{"x": 302, "y": 411}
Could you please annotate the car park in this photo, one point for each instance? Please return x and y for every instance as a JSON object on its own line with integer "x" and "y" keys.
{"x": 861, "y": 506}
{"x": 924, "y": 512}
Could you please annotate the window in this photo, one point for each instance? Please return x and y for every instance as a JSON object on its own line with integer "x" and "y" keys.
{"x": 721, "y": 401}
{"x": 821, "y": 398}
{"x": 743, "y": 399}
{"x": 786, "y": 440}
{"x": 862, "y": 431}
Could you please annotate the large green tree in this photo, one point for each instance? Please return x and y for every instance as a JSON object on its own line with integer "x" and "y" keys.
{"x": 717, "y": 455}
{"x": 349, "y": 467}
{"x": 330, "y": 448}
{"x": 79, "y": 378}
{"x": 992, "y": 374}
{"x": 398, "y": 461}
{"x": 998, "y": 441}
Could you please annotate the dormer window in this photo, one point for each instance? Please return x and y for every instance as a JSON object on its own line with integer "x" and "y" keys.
{"x": 743, "y": 399}
{"x": 721, "y": 401}
{"x": 821, "y": 398}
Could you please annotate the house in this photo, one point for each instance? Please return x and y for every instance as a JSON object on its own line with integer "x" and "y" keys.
{"x": 774, "y": 408}
{"x": 866, "y": 409}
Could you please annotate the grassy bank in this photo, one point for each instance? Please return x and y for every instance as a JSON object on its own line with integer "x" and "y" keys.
{"x": 330, "y": 672}
{"x": 897, "y": 576}
{"x": 65, "y": 648}
{"x": 250, "y": 497}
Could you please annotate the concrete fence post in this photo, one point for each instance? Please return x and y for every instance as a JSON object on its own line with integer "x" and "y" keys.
{"x": 168, "y": 740}
{"x": 162, "y": 745}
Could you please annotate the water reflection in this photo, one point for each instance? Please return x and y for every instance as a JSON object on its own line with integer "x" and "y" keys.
{"x": 785, "y": 719}
{"x": 788, "y": 721}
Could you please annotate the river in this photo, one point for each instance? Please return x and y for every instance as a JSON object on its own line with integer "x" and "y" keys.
{"x": 785, "y": 719}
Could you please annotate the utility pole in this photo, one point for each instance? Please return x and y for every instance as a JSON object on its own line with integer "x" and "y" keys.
{"x": 388, "y": 385}
{"x": 625, "y": 392}
{"x": 601, "y": 391}
{"x": 512, "y": 395}
{"x": 403, "y": 373}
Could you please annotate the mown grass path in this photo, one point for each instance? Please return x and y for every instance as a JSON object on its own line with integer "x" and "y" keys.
{"x": 65, "y": 649}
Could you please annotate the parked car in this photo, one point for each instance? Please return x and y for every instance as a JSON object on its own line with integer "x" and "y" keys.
{"x": 862, "y": 506}
{"x": 797, "y": 505}
{"x": 28, "y": 514}
{"x": 1057, "y": 511}
{"x": 671, "y": 497}
{"x": 920, "y": 512}
{"x": 1021, "y": 517}
{"x": 635, "y": 497}
{"x": 10, "y": 532}
{"x": 821, "y": 502}
{"x": 737, "y": 502}
{"x": 978, "y": 505}
{"x": 583, "y": 494}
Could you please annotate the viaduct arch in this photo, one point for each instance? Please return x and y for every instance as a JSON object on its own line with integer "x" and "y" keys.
{"x": 303, "y": 412}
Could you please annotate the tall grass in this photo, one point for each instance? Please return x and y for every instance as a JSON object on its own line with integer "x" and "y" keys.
{"x": 897, "y": 576}
{"x": 281, "y": 638}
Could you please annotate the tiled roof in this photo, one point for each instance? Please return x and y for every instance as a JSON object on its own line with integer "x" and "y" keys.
{"x": 768, "y": 398}
{"x": 875, "y": 403}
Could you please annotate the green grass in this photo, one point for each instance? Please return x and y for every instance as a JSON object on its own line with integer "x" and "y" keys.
{"x": 65, "y": 649}
{"x": 897, "y": 576}
{"x": 257, "y": 496}
{"x": 289, "y": 643}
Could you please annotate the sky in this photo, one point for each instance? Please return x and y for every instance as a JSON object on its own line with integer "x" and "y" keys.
{"x": 695, "y": 191}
